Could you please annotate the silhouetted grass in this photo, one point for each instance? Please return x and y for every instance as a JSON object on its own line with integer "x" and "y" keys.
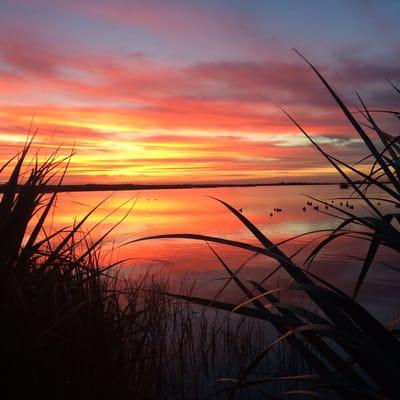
{"x": 72, "y": 328}
{"x": 347, "y": 353}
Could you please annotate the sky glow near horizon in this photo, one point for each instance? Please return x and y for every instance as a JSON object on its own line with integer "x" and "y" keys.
{"x": 184, "y": 91}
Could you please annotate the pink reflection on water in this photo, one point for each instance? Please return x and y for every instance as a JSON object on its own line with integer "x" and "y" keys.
{"x": 192, "y": 211}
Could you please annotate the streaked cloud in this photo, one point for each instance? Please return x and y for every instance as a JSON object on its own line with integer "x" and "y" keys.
{"x": 185, "y": 90}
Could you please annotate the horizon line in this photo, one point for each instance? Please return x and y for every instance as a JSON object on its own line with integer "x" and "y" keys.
{"x": 101, "y": 187}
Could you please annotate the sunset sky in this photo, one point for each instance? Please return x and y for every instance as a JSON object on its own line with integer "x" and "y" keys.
{"x": 184, "y": 91}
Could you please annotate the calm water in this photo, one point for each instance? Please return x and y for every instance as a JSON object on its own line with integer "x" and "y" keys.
{"x": 192, "y": 211}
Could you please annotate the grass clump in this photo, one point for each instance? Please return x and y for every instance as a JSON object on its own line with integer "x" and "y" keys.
{"x": 72, "y": 327}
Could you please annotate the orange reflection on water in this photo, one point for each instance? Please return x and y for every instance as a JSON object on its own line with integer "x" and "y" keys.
{"x": 193, "y": 211}
{"x": 156, "y": 212}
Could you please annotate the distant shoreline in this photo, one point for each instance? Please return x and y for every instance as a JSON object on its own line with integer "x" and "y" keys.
{"x": 124, "y": 187}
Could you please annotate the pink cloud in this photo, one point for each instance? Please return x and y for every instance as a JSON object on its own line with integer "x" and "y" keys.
{"x": 101, "y": 101}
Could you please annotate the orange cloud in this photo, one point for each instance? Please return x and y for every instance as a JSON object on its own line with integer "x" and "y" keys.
{"x": 137, "y": 118}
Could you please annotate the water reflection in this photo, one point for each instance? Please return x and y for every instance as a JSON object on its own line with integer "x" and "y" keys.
{"x": 192, "y": 211}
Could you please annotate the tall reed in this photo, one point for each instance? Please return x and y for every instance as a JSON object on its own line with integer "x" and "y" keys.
{"x": 347, "y": 353}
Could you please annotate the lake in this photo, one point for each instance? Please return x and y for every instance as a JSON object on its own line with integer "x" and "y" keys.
{"x": 157, "y": 212}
